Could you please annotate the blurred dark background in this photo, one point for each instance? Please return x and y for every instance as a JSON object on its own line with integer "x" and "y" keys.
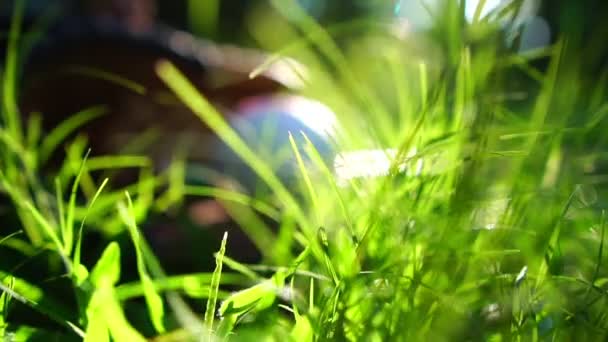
{"x": 219, "y": 20}
{"x": 229, "y": 20}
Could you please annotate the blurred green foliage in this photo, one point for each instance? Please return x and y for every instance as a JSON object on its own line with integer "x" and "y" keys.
{"x": 487, "y": 222}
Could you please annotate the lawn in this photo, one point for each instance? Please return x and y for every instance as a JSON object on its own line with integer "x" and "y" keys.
{"x": 465, "y": 196}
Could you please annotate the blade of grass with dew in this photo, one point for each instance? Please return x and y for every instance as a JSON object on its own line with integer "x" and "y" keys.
{"x": 214, "y": 287}
{"x": 65, "y": 128}
{"x": 153, "y": 299}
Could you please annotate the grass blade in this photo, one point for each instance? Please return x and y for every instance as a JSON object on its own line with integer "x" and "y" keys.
{"x": 68, "y": 230}
{"x": 103, "y": 304}
{"x": 35, "y": 298}
{"x": 107, "y": 268}
{"x": 184, "y": 89}
{"x": 5, "y": 299}
{"x": 195, "y": 285}
{"x": 214, "y": 287}
{"x": 106, "y": 76}
{"x": 76, "y": 258}
{"x": 42, "y": 222}
{"x": 311, "y": 190}
{"x": 117, "y": 162}
{"x": 233, "y": 196}
{"x": 64, "y": 129}
{"x": 10, "y": 236}
{"x": 153, "y": 299}
{"x": 9, "y": 91}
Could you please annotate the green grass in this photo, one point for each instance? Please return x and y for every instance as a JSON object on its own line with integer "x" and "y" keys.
{"x": 488, "y": 222}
